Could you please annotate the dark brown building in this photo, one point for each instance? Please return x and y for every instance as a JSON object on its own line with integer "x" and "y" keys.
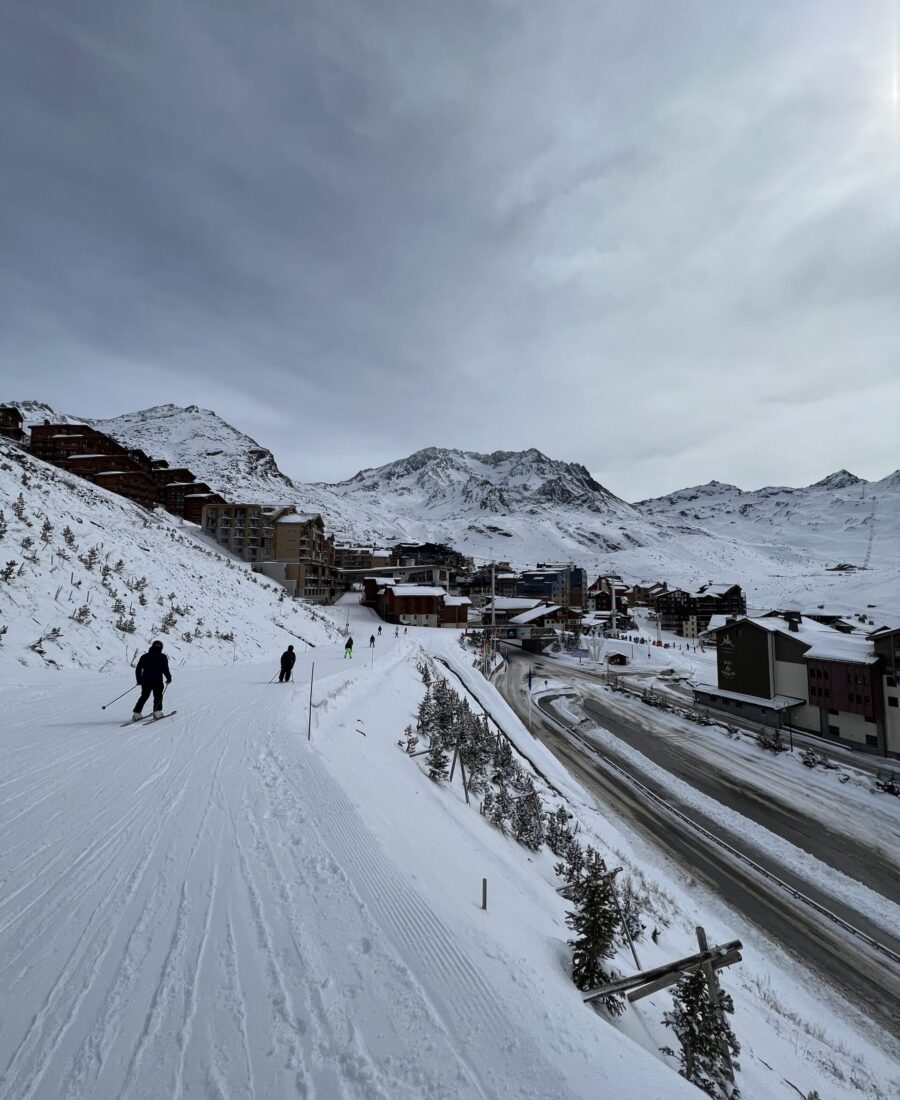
{"x": 11, "y": 424}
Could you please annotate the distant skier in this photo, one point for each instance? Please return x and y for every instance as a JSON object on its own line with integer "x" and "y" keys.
{"x": 379, "y": 632}
{"x": 151, "y": 669}
{"x": 396, "y": 631}
{"x": 287, "y": 664}
{"x": 348, "y": 648}
{"x": 372, "y": 642}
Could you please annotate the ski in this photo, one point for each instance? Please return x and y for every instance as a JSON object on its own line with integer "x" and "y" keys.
{"x": 148, "y": 718}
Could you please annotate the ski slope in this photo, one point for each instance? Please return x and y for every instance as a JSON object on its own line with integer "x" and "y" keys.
{"x": 215, "y": 906}
{"x": 200, "y": 907}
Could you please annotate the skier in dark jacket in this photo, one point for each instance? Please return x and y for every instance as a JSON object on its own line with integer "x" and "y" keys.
{"x": 151, "y": 670}
{"x": 287, "y": 663}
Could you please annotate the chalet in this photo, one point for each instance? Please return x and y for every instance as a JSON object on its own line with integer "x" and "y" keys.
{"x": 790, "y": 670}
{"x": 11, "y": 424}
{"x": 421, "y": 605}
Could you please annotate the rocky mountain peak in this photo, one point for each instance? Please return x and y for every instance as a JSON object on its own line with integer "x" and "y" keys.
{"x": 840, "y": 479}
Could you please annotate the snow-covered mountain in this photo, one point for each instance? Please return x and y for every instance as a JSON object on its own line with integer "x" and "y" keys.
{"x": 229, "y": 461}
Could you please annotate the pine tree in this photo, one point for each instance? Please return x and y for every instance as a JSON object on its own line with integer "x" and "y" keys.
{"x": 631, "y": 911}
{"x": 528, "y": 820}
{"x": 487, "y": 803}
{"x": 502, "y": 809}
{"x": 558, "y": 833}
{"x": 437, "y": 761}
{"x": 425, "y": 716}
{"x": 702, "y": 1033}
{"x": 595, "y": 922}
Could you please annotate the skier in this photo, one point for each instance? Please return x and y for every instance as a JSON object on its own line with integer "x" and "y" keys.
{"x": 396, "y": 631}
{"x": 348, "y": 648}
{"x": 150, "y": 671}
{"x": 287, "y": 664}
{"x": 372, "y": 641}
{"x": 379, "y": 632}
{"x": 405, "y": 629}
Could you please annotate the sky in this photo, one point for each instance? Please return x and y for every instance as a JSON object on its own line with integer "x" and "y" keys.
{"x": 660, "y": 239}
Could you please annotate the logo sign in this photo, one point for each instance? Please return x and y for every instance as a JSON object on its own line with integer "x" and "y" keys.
{"x": 581, "y": 653}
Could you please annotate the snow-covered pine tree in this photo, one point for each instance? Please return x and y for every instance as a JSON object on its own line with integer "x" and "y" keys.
{"x": 631, "y": 910}
{"x": 445, "y": 704}
{"x": 595, "y": 922}
{"x": 558, "y": 833}
{"x": 425, "y": 716}
{"x": 528, "y": 820}
{"x": 437, "y": 761}
{"x": 487, "y": 803}
{"x": 502, "y": 809}
{"x": 503, "y": 760}
{"x": 702, "y": 1032}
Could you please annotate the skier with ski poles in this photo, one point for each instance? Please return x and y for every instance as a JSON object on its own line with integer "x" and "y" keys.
{"x": 372, "y": 642}
{"x": 151, "y": 669}
{"x": 287, "y": 664}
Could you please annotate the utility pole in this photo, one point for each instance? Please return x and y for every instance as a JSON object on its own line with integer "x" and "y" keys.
{"x": 493, "y": 609}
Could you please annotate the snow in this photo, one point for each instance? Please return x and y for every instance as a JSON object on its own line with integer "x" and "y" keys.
{"x": 533, "y": 615}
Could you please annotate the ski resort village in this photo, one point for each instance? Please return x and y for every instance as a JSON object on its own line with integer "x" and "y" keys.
{"x": 462, "y": 778}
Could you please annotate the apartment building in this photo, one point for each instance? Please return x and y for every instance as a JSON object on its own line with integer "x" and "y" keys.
{"x": 247, "y": 530}
{"x": 688, "y": 613}
{"x": 784, "y": 669}
{"x": 11, "y": 424}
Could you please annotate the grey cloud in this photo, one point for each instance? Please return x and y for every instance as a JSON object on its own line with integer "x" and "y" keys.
{"x": 360, "y": 229}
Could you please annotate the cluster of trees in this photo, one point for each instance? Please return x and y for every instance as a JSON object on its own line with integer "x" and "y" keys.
{"x": 508, "y": 795}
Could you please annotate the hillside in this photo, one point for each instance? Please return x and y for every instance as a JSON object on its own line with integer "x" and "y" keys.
{"x": 90, "y": 578}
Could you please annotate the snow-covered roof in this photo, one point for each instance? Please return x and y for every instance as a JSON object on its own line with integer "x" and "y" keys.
{"x": 299, "y": 517}
{"x": 72, "y": 458}
{"x": 535, "y": 613}
{"x": 823, "y": 642}
{"x": 715, "y": 589}
{"x": 403, "y": 590}
{"x": 512, "y": 603}
{"x": 778, "y": 702}
{"x": 456, "y": 601}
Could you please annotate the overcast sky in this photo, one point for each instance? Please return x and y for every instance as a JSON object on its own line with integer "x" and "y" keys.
{"x": 658, "y": 237}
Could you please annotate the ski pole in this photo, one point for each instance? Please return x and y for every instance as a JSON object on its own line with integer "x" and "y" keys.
{"x": 118, "y": 697}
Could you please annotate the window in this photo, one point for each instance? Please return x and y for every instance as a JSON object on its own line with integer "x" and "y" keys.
{"x": 891, "y": 682}
{"x": 834, "y": 731}
{"x": 892, "y": 701}
{"x": 871, "y": 739}
{"x": 832, "y": 711}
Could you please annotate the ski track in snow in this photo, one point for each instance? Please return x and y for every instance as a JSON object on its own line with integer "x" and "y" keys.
{"x": 161, "y": 927}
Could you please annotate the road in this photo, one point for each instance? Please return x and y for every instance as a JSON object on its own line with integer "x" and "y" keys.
{"x": 875, "y": 865}
{"x": 857, "y": 973}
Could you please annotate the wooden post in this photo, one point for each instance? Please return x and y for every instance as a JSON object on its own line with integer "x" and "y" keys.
{"x": 484, "y": 893}
{"x": 712, "y": 987}
{"x": 462, "y": 772}
{"x": 311, "y": 677}
{"x": 453, "y": 762}
{"x": 611, "y": 877}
